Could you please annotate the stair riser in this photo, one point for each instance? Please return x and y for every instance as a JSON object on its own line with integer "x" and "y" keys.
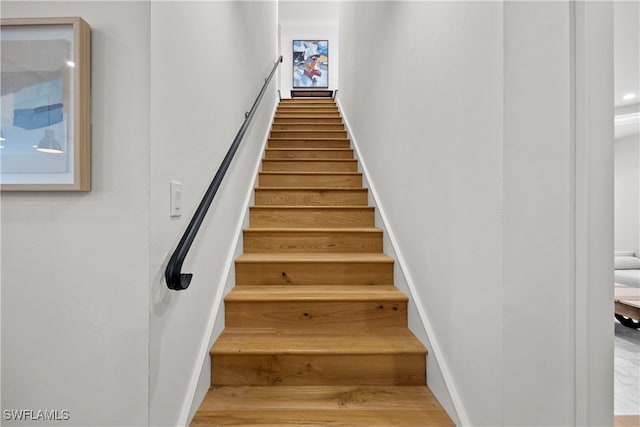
{"x": 315, "y": 314}
{"x": 307, "y": 119}
{"x": 308, "y": 154}
{"x": 269, "y": 165}
{"x": 300, "y": 180}
{"x": 316, "y": 273}
{"x": 323, "y": 398}
{"x": 308, "y": 134}
{"x": 307, "y": 126}
{"x": 311, "y": 242}
{"x": 356, "y": 197}
{"x": 302, "y": 101}
{"x": 318, "y": 369}
{"x": 335, "y": 418}
{"x": 315, "y": 113}
{"x": 292, "y": 115}
{"x": 308, "y": 102}
{"x": 308, "y": 109}
{"x": 329, "y": 104}
{"x": 304, "y": 217}
{"x": 308, "y": 143}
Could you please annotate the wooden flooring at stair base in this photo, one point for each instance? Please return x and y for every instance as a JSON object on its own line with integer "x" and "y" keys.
{"x": 315, "y": 332}
{"x": 322, "y": 406}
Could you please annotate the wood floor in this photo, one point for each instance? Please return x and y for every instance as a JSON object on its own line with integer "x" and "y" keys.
{"x": 627, "y": 421}
{"x": 315, "y": 331}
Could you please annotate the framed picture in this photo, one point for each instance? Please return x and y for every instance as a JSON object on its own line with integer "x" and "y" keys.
{"x": 310, "y": 64}
{"x": 45, "y": 129}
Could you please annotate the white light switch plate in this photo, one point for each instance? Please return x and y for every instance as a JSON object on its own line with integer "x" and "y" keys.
{"x": 176, "y": 199}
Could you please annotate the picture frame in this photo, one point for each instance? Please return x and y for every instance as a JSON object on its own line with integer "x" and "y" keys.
{"x": 310, "y": 64}
{"x": 45, "y": 127}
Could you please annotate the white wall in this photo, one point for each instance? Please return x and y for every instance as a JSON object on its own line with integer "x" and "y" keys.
{"x": 307, "y": 20}
{"x": 75, "y": 295}
{"x": 474, "y": 156}
{"x": 537, "y": 344}
{"x": 91, "y": 327}
{"x": 432, "y": 143}
{"x": 627, "y": 193}
{"x": 206, "y": 72}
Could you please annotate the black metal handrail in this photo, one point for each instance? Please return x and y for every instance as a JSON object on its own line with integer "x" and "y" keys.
{"x": 173, "y": 275}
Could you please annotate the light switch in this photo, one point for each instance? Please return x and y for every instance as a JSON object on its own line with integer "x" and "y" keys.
{"x": 176, "y": 198}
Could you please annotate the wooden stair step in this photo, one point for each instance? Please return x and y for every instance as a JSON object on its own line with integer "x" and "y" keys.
{"x": 321, "y": 406}
{"x": 339, "y": 418}
{"x": 304, "y": 269}
{"x": 333, "y": 341}
{"x": 316, "y": 115}
{"x": 314, "y": 240}
{"x": 308, "y": 143}
{"x": 345, "y": 307}
{"x": 292, "y": 196}
{"x": 308, "y": 110}
{"x": 296, "y": 116}
{"x": 308, "y": 153}
{"x": 310, "y": 179}
{"x": 309, "y": 133}
{"x": 309, "y": 165}
{"x": 309, "y": 105}
{"x": 307, "y": 118}
{"x": 311, "y": 216}
{"x": 307, "y": 101}
{"x": 331, "y": 356}
{"x": 300, "y": 125}
{"x": 326, "y": 103}
{"x": 332, "y": 112}
{"x": 274, "y": 293}
{"x": 312, "y": 100}
{"x": 371, "y": 398}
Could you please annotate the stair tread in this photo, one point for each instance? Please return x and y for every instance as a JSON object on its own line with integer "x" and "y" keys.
{"x": 294, "y": 207}
{"x": 314, "y": 230}
{"x": 285, "y": 131}
{"x": 385, "y": 340}
{"x": 324, "y": 138}
{"x": 309, "y": 149}
{"x": 307, "y": 115}
{"x": 318, "y": 397}
{"x": 309, "y": 159}
{"x": 309, "y": 173}
{"x": 316, "y": 293}
{"x": 268, "y": 188}
{"x": 300, "y": 122}
{"x": 314, "y": 257}
{"x": 324, "y": 418}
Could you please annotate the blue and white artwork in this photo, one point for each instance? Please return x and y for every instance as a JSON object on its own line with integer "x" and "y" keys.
{"x": 38, "y": 106}
{"x": 35, "y": 107}
{"x": 310, "y": 63}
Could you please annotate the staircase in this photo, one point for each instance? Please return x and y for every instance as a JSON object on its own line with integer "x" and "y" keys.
{"x": 316, "y": 334}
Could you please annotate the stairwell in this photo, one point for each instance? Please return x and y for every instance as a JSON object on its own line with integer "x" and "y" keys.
{"x": 315, "y": 331}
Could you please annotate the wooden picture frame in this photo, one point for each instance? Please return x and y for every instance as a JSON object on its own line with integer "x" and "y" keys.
{"x": 45, "y": 139}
